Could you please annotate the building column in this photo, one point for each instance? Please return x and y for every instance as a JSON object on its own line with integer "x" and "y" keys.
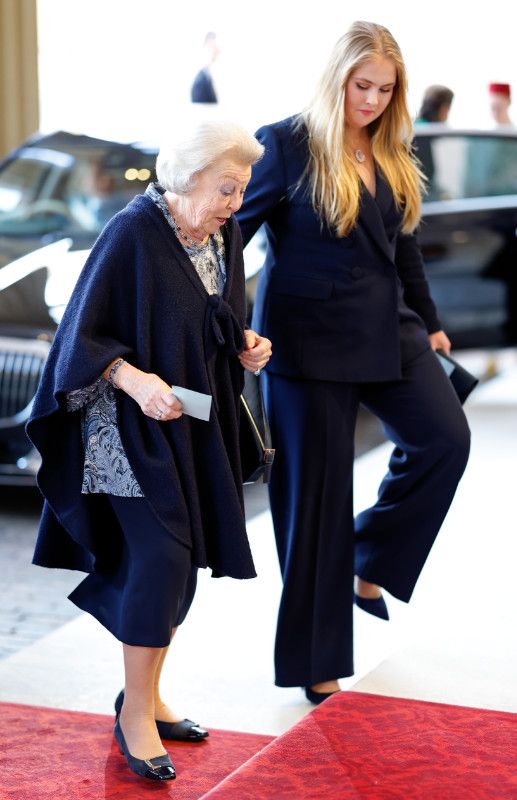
{"x": 19, "y": 94}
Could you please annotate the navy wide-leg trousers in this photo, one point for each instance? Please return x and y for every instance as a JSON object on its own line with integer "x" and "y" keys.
{"x": 320, "y": 546}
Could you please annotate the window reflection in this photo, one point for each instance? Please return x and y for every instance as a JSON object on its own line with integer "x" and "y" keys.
{"x": 46, "y": 191}
{"x": 460, "y": 167}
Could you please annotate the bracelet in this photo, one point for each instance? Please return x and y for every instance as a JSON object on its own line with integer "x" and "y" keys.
{"x": 118, "y": 363}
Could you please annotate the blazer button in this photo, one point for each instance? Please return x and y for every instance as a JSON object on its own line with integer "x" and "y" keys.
{"x": 356, "y": 272}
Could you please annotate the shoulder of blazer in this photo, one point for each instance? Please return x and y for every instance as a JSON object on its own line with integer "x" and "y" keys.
{"x": 289, "y": 136}
{"x": 287, "y": 143}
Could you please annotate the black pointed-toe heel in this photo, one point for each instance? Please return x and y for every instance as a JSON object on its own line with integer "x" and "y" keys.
{"x": 317, "y": 697}
{"x": 374, "y": 605}
{"x": 183, "y": 731}
{"x": 159, "y": 768}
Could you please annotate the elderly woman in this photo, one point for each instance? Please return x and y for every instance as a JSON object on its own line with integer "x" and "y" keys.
{"x": 137, "y": 493}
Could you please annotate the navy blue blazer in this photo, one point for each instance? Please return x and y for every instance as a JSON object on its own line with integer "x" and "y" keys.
{"x": 331, "y": 305}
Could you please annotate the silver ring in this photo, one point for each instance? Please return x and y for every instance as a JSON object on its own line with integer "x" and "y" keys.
{"x": 159, "y": 415}
{"x": 257, "y": 372}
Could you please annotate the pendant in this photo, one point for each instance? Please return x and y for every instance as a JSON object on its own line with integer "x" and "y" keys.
{"x": 360, "y": 156}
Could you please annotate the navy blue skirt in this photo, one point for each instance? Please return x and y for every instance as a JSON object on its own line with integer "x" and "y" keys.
{"x": 146, "y": 587}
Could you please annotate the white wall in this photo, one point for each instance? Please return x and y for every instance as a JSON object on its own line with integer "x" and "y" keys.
{"x": 123, "y": 68}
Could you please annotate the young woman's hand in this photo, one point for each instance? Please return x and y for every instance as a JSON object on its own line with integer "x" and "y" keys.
{"x": 257, "y": 352}
{"x": 440, "y": 341}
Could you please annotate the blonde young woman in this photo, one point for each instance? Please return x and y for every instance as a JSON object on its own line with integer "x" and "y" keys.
{"x": 344, "y": 298}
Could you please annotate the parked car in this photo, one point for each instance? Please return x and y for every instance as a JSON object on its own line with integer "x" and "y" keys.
{"x": 57, "y": 192}
{"x": 469, "y": 232}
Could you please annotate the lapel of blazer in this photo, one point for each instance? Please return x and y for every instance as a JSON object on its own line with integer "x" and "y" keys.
{"x": 370, "y": 218}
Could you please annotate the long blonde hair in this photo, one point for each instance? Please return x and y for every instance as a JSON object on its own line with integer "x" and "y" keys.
{"x": 334, "y": 179}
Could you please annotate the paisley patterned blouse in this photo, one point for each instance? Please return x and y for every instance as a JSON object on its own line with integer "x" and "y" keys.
{"x": 106, "y": 468}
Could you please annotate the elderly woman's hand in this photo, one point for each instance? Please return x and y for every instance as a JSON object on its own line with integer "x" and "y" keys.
{"x": 154, "y": 396}
{"x": 257, "y": 352}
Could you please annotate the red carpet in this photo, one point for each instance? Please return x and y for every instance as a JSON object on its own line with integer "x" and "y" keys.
{"x": 49, "y": 754}
{"x": 366, "y": 747}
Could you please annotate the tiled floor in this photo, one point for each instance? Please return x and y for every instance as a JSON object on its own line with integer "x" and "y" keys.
{"x": 32, "y": 600}
{"x": 455, "y": 642}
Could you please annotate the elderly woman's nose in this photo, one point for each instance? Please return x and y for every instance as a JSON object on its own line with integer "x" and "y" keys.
{"x": 236, "y": 202}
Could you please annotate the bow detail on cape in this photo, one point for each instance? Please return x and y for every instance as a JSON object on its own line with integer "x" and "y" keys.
{"x": 224, "y": 325}
{"x": 223, "y": 329}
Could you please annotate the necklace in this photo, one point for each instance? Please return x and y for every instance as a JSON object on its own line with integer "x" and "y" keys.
{"x": 186, "y": 237}
{"x": 359, "y": 156}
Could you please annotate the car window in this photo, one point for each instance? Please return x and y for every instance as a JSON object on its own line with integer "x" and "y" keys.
{"x": 44, "y": 190}
{"x": 459, "y": 167}
{"x": 28, "y": 201}
{"x": 100, "y": 186}
{"x": 20, "y": 182}
{"x": 25, "y": 208}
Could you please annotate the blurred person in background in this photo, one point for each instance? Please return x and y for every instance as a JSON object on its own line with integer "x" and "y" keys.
{"x": 344, "y": 298}
{"x": 94, "y": 198}
{"x": 500, "y": 99}
{"x": 202, "y": 89}
{"x": 138, "y": 494}
{"x": 436, "y": 105}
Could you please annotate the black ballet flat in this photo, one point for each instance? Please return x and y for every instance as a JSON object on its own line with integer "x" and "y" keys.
{"x": 317, "y": 697}
{"x": 183, "y": 731}
{"x": 375, "y": 605}
{"x": 159, "y": 768}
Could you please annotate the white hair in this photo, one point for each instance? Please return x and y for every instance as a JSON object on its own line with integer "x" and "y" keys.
{"x": 194, "y": 149}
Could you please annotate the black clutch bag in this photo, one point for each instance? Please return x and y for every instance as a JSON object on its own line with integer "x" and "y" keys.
{"x": 254, "y": 435}
{"x": 462, "y": 380}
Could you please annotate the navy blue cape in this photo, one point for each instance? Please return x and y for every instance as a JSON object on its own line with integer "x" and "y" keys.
{"x": 139, "y": 296}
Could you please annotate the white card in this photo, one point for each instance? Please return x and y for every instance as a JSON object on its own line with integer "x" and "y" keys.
{"x": 195, "y": 404}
